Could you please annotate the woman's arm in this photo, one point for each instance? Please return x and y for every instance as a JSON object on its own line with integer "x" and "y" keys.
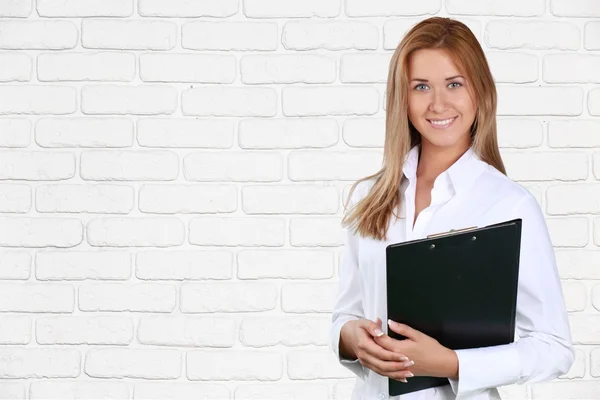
{"x": 543, "y": 350}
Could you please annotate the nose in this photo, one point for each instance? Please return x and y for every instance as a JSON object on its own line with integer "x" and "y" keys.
{"x": 438, "y": 102}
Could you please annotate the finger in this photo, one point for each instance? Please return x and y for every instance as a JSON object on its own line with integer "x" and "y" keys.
{"x": 372, "y": 327}
{"x": 404, "y": 330}
{"x": 368, "y": 345}
{"x": 387, "y": 368}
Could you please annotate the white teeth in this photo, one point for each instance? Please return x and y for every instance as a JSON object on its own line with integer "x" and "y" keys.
{"x": 444, "y": 122}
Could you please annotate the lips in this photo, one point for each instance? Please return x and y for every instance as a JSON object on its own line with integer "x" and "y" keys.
{"x": 441, "y": 123}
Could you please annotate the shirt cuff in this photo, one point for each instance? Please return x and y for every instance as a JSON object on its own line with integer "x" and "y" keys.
{"x": 483, "y": 368}
{"x": 353, "y": 365}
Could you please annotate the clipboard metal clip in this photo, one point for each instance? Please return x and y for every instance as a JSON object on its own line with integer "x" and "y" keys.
{"x": 451, "y": 232}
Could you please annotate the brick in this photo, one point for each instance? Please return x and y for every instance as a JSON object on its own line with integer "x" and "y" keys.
{"x": 38, "y": 35}
{"x": 36, "y": 297}
{"x": 237, "y": 231}
{"x": 579, "y": 389}
{"x": 573, "y": 199}
{"x": 386, "y": 8}
{"x": 314, "y": 297}
{"x": 576, "y": 133}
{"x": 575, "y": 294}
{"x": 186, "y": 8}
{"x": 288, "y": 68}
{"x": 229, "y": 102}
{"x": 506, "y": 8}
{"x": 597, "y": 231}
{"x": 332, "y": 166}
{"x": 38, "y": 232}
{"x": 287, "y": 133}
{"x": 571, "y": 68}
{"x": 234, "y": 365}
{"x": 187, "y": 331}
{"x": 19, "y": 362}
{"x": 365, "y": 68}
{"x": 201, "y": 68}
{"x": 596, "y": 165}
{"x": 502, "y": 64}
{"x": 186, "y": 199}
{"x": 128, "y": 34}
{"x": 292, "y": 8}
{"x": 13, "y": 391}
{"x": 568, "y": 232}
{"x": 233, "y": 167}
{"x": 344, "y": 389}
{"x": 180, "y": 390}
{"x": 15, "y": 132}
{"x": 179, "y": 132}
{"x": 330, "y": 35}
{"x": 546, "y": 35}
{"x": 137, "y": 100}
{"x": 585, "y": 328}
{"x": 290, "y": 199}
{"x": 330, "y": 100}
{"x": 316, "y": 231}
{"x": 99, "y": 329}
{"x": 277, "y": 391}
{"x": 15, "y": 9}
{"x": 595, "y": 363}
{"x": 83, "y": 265}
{"x": 184, "y": 265}
{"x": 156, "y": 165}
{"x": 38, "y": 99}
{"x": 285, "y": 264}
{"x": 15, "y": 67}
{"x": 364, "y": 132}
{"x": 578, "y": 264}
{"x": 574, "y": 8}
{"x": 102, "y": 66}
{"x": 133, "y": 363}
{"x": 138, "y": 297}
{"x": 395, "y": 29}
{"x": 591, "y": 38}
{"x": 308, "y": 364}
{"x": 15, "y": 198}
{"x": 544, "y": 100}
{"x": 546, "y": 166}
{"x": 594, "y": 102}
{"x": 596, "y": 296}
{"x": 520, "y": 133}
{"x": 85, "y": 8}
{"x": 57, "y": 390}
{"x": 224, "y": 36}
{"x": 109, "y": 199}
{"x": 227, "y": 297}
{"x": 14, "y": 329}
{"x": 578, "y": 368}
{"x": 84, "y": 132}
{"x": 287, "y": 331}
{"x": 15, "y": 264}
{"x": 135, "y": 232}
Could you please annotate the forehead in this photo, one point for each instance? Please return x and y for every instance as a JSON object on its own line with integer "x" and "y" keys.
{"x": 431, "y": 64}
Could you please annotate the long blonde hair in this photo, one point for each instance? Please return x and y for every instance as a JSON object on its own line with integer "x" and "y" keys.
{"x": 371, "y": 215}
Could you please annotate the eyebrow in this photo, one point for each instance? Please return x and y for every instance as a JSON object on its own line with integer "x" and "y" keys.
{"x": 448, "y": 79}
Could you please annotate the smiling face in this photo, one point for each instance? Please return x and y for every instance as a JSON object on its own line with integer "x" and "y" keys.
{"x": 440, "y": 105}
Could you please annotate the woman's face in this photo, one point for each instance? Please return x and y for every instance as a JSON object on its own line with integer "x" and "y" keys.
{"x": 440, "y": 104}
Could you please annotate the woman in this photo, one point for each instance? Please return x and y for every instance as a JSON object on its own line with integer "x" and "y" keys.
{"x": 442, "y": 170}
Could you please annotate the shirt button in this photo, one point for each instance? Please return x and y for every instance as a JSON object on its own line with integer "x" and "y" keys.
{"x": 381, "y": 396}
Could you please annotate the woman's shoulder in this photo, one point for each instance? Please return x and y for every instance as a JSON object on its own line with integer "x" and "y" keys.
{"x": 503, "y": 187}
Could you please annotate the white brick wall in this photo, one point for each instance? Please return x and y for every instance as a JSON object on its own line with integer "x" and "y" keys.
{"x": 172, "y": 176}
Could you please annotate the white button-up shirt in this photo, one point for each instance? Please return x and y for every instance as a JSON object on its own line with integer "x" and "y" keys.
{"x": 469, "y": 193}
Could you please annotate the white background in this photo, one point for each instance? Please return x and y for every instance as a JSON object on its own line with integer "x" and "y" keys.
{"x": 173, "y": 175}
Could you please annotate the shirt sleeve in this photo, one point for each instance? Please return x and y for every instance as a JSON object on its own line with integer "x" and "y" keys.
{"x": 348, "y": 302}
{"x": 543, "y": 349}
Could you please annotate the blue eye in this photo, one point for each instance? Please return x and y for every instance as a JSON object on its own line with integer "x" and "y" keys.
{"x": 419, "y": 85}
{"x": 455, "y": 83}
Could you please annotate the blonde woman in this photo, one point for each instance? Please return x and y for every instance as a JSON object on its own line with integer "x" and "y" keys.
{"x": 442, "y": 170}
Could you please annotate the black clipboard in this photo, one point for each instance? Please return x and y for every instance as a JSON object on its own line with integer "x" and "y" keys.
{"x": 458, "y": 287}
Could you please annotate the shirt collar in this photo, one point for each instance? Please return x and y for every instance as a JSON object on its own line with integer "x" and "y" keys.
{"x": 460, "y": 175}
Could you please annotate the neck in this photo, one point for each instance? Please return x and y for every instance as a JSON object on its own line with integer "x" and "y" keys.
{"x": 435, "y": 160}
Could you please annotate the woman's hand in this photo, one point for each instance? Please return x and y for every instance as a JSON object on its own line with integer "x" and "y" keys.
{"x": 359, "y": 337}
{"x": 429, "y": 356}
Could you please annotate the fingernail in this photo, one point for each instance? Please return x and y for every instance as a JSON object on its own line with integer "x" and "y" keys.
{"x": 403, "y": 380}
{"x": 391, "y": 323}
{"x": 410, "y": 375}
{"x": 403, "y": 358}
{"x": 412, "y": 362}
{"x": 378, "y": 332}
